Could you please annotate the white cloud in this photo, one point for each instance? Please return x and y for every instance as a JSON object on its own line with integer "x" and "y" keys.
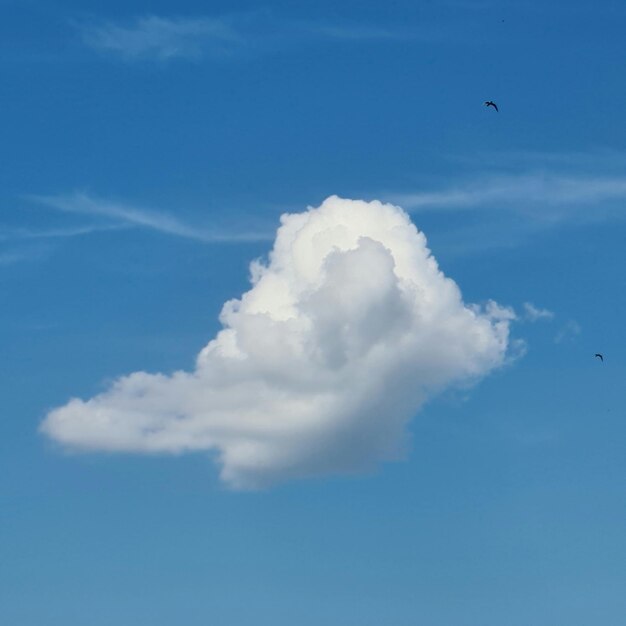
{"x": 346, "y": 331}
{"x": 534, "y": 314}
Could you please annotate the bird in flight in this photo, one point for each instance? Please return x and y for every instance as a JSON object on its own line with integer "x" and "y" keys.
{"x": 491, "y": 103}
{"x": 600, "y": 356}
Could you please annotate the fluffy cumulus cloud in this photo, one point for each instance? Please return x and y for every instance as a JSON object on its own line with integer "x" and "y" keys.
{"x": 346, "y": 331}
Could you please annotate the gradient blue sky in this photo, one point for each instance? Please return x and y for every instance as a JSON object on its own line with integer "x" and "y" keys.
{"x": 147, "y": 152}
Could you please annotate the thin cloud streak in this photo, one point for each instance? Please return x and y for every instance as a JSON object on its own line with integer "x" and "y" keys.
{"x": 505, "y": 210}
{"x": 163, "y": 38}
{"x": 569, "y": 332}
{"x": 56, "y": 233}
{"x": 9, "y": 258}
{"x": 357, "y": 33}
{"x": 521, "y": 192}
{"x": 24, "y": 254}
{"x": 534, "y": 314}
{"x": 83, "y": 204}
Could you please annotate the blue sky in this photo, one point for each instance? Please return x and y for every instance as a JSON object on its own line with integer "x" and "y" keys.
{"x": 148, "y": 151}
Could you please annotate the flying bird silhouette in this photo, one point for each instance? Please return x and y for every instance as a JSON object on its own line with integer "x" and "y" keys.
{"x": 600, "y": 356}
{"x": 490, "y": 103}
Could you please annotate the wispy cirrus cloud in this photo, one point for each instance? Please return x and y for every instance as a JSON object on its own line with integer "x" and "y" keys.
{"x": 162, "y": 38}
{"x": 519, "y": 196}
{"x": 568, "y": 332}
{"x": 9, "y": 258}
{"x": 27, "y": 244}
{"x": 557, "y": 195}
{"x": 126, "y": 215}
{"x": 11, "y": 234}
{"x": 356, "y": 32}
{"x": 535, "y": 314}
{"x": 13, "y": 254}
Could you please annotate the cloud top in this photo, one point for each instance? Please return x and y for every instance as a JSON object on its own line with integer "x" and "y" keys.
{"x": 348, "y": 328}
